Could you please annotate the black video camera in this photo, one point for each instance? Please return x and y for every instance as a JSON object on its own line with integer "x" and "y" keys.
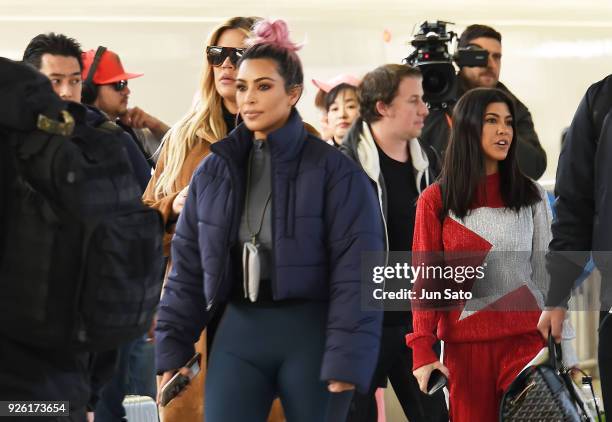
{"x": 432, "y": 57}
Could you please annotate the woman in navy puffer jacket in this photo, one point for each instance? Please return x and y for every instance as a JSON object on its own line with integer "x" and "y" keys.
{"x": 274, "y": 225}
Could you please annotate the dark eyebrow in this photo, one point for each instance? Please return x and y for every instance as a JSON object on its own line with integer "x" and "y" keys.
{"x": 63, "y": 74}
{"x": 509, "y": 116}
{"x": 257, "y": 80}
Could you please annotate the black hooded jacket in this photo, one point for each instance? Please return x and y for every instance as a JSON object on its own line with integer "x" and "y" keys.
{"x": 531, "y": 155}
{"x": 142, "y": 169}
{"x": 584, "y": 197}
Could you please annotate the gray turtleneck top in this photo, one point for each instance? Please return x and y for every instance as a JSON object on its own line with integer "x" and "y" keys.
{"x": 259, "y": 186}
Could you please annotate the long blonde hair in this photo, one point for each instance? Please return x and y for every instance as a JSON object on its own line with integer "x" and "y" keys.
{"x": 203, "y": 122}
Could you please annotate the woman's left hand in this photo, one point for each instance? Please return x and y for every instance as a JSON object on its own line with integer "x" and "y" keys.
{"x": 423, "y": 373}
{"x": 339, "y": 386}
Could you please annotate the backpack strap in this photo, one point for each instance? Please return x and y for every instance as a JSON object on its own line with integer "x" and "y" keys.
{"x": 56, "y": 127}
{"x": 36, "y": 141}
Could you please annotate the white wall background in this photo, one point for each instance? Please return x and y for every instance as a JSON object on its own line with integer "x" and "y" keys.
{"x": 553, "y": 49}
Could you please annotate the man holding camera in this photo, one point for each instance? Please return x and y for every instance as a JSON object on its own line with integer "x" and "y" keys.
{"x": 531, "y": 155}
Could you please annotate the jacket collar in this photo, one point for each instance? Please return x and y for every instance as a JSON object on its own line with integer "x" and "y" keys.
{"x": 362, "y": 147}
{"x": 94, "y": 115}
{"x": 367, "y": 152}
{"x": 285, "y": 142}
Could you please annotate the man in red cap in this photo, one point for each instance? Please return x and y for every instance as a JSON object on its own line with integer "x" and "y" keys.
{"x": 105, "y": 90}
{"x": 105, "y": 86}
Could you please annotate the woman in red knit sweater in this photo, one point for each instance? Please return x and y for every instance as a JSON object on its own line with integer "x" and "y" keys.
{"x": 482, "y": 204}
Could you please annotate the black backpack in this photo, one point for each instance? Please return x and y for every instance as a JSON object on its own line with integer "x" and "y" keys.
{"x": 80, "y": 255}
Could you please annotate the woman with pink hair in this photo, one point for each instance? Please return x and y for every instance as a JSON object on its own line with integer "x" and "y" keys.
{"x": 274, "y": 226}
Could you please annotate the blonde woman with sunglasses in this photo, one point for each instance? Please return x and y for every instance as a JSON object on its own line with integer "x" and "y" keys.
{"x": 211, "y": 117}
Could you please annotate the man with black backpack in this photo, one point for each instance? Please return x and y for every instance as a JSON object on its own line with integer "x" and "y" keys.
{"x": 72, "y": 71}
{"x": 583, "y": 224}
{"x": 80, "y": 263}
{"x": 80, "y": 255}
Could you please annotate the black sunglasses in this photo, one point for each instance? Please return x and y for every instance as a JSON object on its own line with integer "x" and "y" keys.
{"x": 119, "y": 85}
{"x": 216, "y": 55}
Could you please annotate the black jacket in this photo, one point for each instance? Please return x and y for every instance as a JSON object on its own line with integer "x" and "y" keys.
{"x": 584, "y": 197}
{"x": 142, "y": 169}
{"x": 531, "y": 155}
{"x": 7, "y": 177}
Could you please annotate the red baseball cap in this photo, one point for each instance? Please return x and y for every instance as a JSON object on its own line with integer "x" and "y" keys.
{"x": 327, "y": 86}
{"x": 109, "y": 68}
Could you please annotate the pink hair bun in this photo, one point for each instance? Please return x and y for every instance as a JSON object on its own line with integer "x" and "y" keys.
{"x": 274, "y": 33}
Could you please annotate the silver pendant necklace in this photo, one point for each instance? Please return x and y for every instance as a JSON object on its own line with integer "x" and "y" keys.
{"x": 251, "y": 265}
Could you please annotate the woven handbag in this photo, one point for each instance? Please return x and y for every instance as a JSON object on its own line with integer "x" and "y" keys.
{"x": 544, "y": 392}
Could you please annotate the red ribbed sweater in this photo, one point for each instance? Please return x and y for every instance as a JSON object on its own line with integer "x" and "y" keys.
{"x": 488, "y": 219}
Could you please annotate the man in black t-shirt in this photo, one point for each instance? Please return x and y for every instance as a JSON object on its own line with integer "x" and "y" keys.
{"x": 384, "y": 141}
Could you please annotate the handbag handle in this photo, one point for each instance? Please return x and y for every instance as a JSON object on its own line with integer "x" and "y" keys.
{"x": 555, "y": 355}
{"x": 555, "y": 361}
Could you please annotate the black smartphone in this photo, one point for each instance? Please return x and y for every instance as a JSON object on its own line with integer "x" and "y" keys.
{"x": 437, "y": 381}
{"x": 179, "y": 381}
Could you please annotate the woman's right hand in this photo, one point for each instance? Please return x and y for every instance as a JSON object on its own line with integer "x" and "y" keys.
{"x": 179, "y": 201}
{"x": 167, "y": 376}
{"x": 422, "y": 374}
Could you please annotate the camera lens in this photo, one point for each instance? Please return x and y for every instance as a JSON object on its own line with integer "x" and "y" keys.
{"x": 435, "y": 82}
{"x": 439, "y": 82}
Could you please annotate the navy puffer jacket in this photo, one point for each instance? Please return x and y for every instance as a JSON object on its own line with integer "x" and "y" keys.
{"x": 324, "y": 215}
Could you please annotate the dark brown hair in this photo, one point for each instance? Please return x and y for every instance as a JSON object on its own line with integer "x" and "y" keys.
{"x": 381, "y": 84}
{"x": 464, "y": 162}
{"x": 54, "y": 44}
{"x": 478, "y": 31}
{"x": 331, "y": 96}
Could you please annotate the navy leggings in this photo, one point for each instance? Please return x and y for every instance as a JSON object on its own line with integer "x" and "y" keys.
{"x": 261, "y": 352}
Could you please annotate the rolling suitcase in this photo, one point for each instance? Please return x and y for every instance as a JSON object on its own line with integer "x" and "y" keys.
{"x": 140, "y": 409}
